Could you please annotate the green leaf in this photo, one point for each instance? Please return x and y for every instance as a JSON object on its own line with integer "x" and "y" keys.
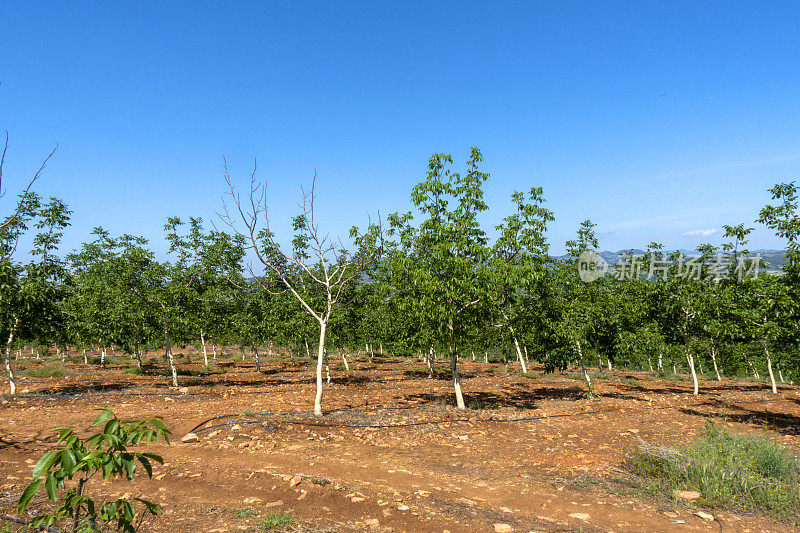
{"x": 106, "y": 415}
{"x": 27, "y": 494}
{"x": 45, "y": 463}
{"x": 50, "y": 485}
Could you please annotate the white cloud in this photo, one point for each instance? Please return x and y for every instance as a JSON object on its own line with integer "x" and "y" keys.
{"x": 699, "y": 233}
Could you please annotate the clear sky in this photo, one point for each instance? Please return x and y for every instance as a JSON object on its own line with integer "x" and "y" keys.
{"x": 653, "y": 119}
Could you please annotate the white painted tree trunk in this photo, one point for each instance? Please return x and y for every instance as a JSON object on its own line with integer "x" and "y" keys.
{"x": 429, "y": 360}
{"x": 103, "y": 357}
{"x": 660, "y": 365}
{"x": 12, "y": 383}
{"x": 519, "y": 351}
{"x": 714, "y": 360}
{"x": 780, "y": 375}
{"x": 583, "y": 367}
{"x": 380, "y": 343}
{"x": 214, "y": 350}
{"x": 486, "y": 356}
{"x": 136, "y": 352}
{"x": 690, "y": 360}
{"x": 327, "y": 368}
{"x": 320, "y": 361}
{"x": 473, "y": 354}
{"x": 608, "y": 362}
{"x": 170, "y": 358}
{"x": 344, "y": 358}
{"x": 308, "y": 352}
{"x": 769, "y": 368}
{"x": 203, "y": 342}
{"x": 456, "y": 382}
{"x": 650, "y": 363}
{"x": 85, "y": 357}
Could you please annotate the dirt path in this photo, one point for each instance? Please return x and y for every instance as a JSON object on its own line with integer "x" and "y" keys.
{"x": 533, "y": 454}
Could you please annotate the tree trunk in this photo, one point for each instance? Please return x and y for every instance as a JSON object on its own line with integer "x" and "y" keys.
{"x": 255, "y": 356}
{"x": 169, "y": 356}
{"x": 327, "y": 368}
{"x": 486, "y": 356}
{"x": 11, "y": 381}
{"x": 769, "y": 368}
{"x": 344, "y": 358}
{"x": 138, "y": 354}
{"x": 85, "y": 357}
{"x": 308, "y": 352}
{"x": 456, "y": 383}
{"x": 429, "y": 360}
{"x": 519, "y": 352}
{"x": 714, "y": 360}
{"x": 660, "y": 365}
{"x": 753, "y": 370}
{"x": 780, "y": 375}
{"x": 690, "y": 360}
{"x": 380, "y": 343}
{"x": 320, "y": 361}
{"x": 214, "y": 350}
{"x": 516, "y": 344}
{"x": 583, "y": 368}
{"x": 103, "y": 357}
{"x": 650, "y": 363}
{"x": 608, "y": 362}
{"x": 203, "y": 342}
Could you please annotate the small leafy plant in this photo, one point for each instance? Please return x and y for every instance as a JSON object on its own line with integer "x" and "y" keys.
{"x": 105, "y": 452}
{"x": 275, "y": 520}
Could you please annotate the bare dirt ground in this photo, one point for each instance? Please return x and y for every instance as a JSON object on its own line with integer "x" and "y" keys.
{"x": 392, "y": 453}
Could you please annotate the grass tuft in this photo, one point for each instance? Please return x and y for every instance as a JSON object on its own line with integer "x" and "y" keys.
{"x": 275, "y": 520}
{"x": 728, "y": 470}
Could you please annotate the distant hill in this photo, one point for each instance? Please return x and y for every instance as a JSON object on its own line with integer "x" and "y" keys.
{"x": 775, "y": 258}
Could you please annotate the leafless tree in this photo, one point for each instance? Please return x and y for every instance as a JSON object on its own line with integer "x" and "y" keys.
{"x": 9, "y": 228}
{"x": 319, "y": 269}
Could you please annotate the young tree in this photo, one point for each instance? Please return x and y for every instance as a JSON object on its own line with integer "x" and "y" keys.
{"x": 319, "y": 269}
{"x": 519, "y": 265}
{"x": 442, "y": 263}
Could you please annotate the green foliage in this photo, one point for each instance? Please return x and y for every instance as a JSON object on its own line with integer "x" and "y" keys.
{"x": 728, "y": 470}
{"x": 105, "y": 452}
{"x": 275, "y": 520}
{"x": 244, "y": 513}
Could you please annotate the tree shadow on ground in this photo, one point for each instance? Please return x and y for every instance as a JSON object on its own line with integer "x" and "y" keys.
{"x": 438, "y": 375}
{"x": 518, "y": 398}
{"x": 783, "y": 423}
{"x": 74, "y": 389}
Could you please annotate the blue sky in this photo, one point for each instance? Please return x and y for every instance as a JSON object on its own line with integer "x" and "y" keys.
{"x": 652, "y": 119}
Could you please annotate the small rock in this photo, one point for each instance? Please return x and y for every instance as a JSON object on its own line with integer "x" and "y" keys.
{"x": 506, "y": 510}
{"x": 690, "y": 495}
{"x": 190, "y": 437}
{"x": 183, "y": 390}
{"x": 670, "y": 514}
{"x": 704, "y": 515}
{"x": 296, "y": 480}
{"x": 579, "y": 516}
{"x": 236, "y": 427}
{"x": 634, "y": 431}
{"x": 503, "y": 528}
{"x": 302, "y": 495}
{"x": 274, "y": 504}
{"x": 357, "y": 499}
{"x": 371, "y": 522}
{"x": 402, "y": 507}
{"x": 252, "y": 499}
